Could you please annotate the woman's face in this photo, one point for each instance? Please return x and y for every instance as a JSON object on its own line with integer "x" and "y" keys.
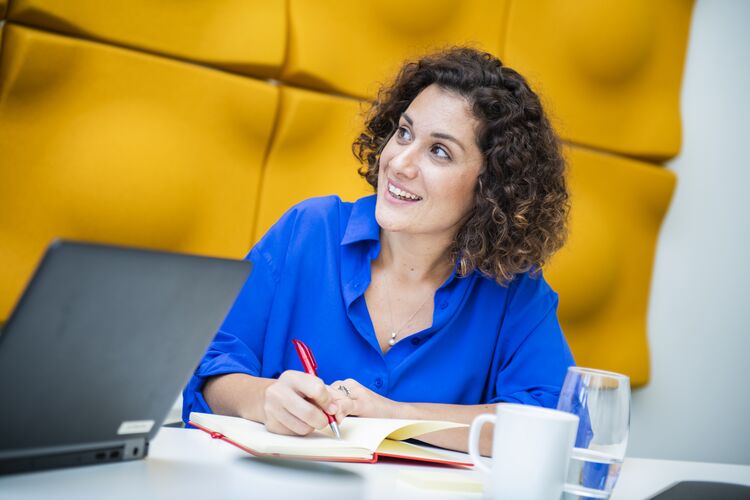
{"x": 429, "y": 167}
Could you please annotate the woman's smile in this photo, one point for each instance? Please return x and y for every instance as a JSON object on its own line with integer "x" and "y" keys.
{"x": 400, "y": 194}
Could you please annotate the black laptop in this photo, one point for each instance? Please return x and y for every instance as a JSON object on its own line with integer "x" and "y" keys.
{"x": 98, "y": 348}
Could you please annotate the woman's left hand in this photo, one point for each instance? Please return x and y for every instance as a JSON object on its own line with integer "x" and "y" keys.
{"x": 357, "y": 400}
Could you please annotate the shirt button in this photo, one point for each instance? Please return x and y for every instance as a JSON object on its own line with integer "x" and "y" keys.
{"x": 378, "y": 382}
{"x": 415, "y": 341}
{"x": 444, "y": 304}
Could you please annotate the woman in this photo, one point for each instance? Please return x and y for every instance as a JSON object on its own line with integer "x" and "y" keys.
{"x": 425, "y": 300}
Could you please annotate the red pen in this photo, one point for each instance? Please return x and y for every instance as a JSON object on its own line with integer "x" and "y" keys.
{"x": 309, "y": 364}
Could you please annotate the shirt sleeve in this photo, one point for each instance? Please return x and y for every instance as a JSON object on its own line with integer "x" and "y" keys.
{"x": 533, "y": 355}
{"x": 238, "y": 345}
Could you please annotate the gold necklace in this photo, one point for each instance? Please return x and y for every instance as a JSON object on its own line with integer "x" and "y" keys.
{"x": 394, "y": 331}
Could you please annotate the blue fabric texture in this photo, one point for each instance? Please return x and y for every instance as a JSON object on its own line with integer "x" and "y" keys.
{"x": 487, "y": 343}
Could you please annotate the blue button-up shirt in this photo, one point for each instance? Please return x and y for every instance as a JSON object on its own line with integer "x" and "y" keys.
{"x": 487, "y": 343}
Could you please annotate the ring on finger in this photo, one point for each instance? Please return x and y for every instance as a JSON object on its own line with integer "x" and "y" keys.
{"x": 345, "y": 390}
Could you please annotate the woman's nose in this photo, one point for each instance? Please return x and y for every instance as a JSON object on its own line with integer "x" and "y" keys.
{"x": 404, "y": 163}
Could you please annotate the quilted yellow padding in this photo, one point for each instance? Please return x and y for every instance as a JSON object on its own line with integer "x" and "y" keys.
{"x": 104, "y": 144}
{"x": 247, "y": 36}
{"x": 350, "y": 47}
{"x": 311, "y": 154}
{"x": 603, "y": 274}
{"x": 150, "y": 123}
{"x": 609, "y": 69}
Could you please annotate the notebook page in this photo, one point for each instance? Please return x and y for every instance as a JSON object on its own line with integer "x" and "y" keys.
{"x": 399, "y": 448}
{"x": 254, "y": 435}
{"x": 370, "y": 432}
{"x": 360, "y": 436}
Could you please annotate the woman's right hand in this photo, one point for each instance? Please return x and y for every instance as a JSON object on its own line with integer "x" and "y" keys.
{"x": 294, "y": 404}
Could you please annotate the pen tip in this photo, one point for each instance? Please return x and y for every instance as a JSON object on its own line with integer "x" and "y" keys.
{"x": 335, "y": 429}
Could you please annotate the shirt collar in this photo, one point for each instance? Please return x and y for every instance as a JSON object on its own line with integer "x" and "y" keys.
{"x": 362, "y": 224}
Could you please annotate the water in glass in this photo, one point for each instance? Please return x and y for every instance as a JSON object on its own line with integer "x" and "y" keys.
{"x": 591, "y": 474}
{"x": 602, "y": 402}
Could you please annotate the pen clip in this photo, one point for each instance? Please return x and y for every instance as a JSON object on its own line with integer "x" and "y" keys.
{"x": 306, "y": 356}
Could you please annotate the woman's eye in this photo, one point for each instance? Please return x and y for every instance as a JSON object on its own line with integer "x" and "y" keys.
{"x": 441, "y": 152}
{"x": 403, "y": 133}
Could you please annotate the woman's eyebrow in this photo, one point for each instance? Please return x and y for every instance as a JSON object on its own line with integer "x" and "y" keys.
{"x": 438, "y": 135}
{"x": 448, "y": 137}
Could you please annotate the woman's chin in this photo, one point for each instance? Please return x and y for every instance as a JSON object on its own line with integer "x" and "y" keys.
{"x": 392, "y": 226}
{"x": 391, "y": 222}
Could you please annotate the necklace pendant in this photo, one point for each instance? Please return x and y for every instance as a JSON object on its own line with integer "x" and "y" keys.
{"x": 393, "y": 339}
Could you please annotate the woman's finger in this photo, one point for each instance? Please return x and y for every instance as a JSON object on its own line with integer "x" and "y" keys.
{"x": 352, "y": 384}
{"x": 282, "y": 421}
{"x": 307, "y": 412}
{"x": 311, "y": 388}
{"x": 342, "y": 388}
{"x": 343, "y": 398}
{"x": 346, "y": 407}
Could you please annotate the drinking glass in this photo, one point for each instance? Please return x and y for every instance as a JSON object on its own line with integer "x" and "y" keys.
{"x": 601, "y": 400}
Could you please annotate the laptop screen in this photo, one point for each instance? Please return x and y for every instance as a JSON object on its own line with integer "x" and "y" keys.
{"x": 102, "y": 341}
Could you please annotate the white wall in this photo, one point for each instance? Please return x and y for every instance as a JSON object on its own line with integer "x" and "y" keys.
{"x": 697, "y": 406}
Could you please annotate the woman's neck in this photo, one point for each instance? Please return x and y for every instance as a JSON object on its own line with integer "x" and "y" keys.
{"x": 414, "y": 258}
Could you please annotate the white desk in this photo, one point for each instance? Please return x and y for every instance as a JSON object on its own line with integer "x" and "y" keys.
{"x": 642, "y": 477}
{"x": 188, "y": 464}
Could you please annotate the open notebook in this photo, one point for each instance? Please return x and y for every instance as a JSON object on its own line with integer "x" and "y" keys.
{"x": 362, "y": 439}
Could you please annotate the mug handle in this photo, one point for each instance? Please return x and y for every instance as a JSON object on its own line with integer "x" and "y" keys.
{"x": 474, "y": 430}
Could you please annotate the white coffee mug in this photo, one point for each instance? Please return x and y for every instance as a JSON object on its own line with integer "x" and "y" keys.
{"x": 531, "y": 450}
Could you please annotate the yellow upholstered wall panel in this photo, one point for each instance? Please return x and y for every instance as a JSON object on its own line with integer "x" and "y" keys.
{"x": 610, "y": 70}
{"x": 3, "y": 8}
{"x": 105, "y": 144}
{"x": 247, "y": 36}
{"x": 311, "y": 154}
{"x": 350, "y": 47}
{"x": 603, "y": 274}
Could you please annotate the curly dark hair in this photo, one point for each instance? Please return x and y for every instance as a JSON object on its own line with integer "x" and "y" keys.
{"x": 521, "y": 205}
